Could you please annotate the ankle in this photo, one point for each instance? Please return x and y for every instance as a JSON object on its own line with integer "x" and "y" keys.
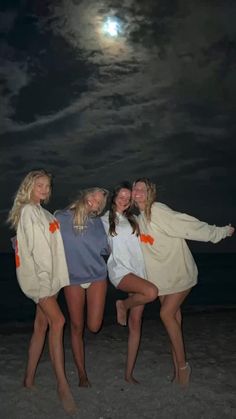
{"x": 185, "y": 367}
{"x": 28, "y": 382}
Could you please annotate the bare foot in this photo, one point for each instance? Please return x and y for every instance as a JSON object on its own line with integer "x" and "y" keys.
{"x": 29, "y": 384}
{"x": 67, "y": 401}
{"x": 131, "y": 380}
{"x": 121, "y": 313}
{"x": 84, "y": 382}
{"x": 184, "y": 375}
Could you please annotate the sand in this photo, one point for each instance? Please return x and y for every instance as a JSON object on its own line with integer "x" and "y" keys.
{"x": 211, "y": 348}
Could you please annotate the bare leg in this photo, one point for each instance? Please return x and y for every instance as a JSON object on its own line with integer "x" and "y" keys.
{"x": 170, "y": 315}
{"x": 135, "y": 323}
{"x": 52, "y": 311}
{"x": 36, "y": 346}
{"x": 178, "y": 317}
{"x": 142, "y": 291}
{"x": 75, "y": 299}
{"x": 96, "y": 297}
{"x": 176, "y": 371}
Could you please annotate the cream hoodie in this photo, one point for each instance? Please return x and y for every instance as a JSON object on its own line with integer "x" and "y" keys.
{"x": 169, "y": 262}
{"x": 40, "y": 260}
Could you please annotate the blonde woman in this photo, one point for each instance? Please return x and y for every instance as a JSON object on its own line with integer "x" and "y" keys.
{"x": 169, "y": 263}
{"x": 85, "y": 244}
{"x": 41, "y": 272}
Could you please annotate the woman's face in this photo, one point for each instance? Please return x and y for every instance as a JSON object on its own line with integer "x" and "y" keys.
{"x": 139, "y": 194}
{"x": 41, "y": 189}
{"x": 95, "y": 202}
{"x": 122, "y": 200}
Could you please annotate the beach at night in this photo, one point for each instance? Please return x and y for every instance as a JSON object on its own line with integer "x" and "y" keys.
{"x": 209, "y": 330}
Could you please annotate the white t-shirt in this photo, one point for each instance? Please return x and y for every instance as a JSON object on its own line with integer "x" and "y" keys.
{"x": 126, "y": 255}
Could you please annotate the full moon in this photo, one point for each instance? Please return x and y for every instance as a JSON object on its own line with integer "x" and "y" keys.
{"x": 112, "y": 27}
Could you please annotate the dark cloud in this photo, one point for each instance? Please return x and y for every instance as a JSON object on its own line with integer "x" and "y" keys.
{"x": 157, "y": 101}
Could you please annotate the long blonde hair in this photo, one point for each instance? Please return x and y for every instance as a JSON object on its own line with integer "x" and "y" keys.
{"x": 23, "y": 195}
{"x": 80, "y": 207}
{"x": 151, "y": 195}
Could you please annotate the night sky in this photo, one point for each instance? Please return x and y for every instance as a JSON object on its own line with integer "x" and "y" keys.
{"x": 101, "y": 91}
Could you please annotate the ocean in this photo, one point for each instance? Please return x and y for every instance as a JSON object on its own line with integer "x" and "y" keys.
{"x": 215, "y": 290}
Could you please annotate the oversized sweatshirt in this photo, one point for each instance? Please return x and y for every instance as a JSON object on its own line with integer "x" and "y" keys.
{"x": 169, "y": 262}
{"x": 84, "y": 249}
{"x": 39, "y": 253}
{"x": 126, "y": 254}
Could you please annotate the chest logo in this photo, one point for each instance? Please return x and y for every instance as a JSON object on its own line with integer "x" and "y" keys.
{"x": 147, "y": 239}
{"x": 54, "y": 226}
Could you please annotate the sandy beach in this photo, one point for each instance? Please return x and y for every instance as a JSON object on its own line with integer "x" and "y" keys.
{"x": 210, "y": 340}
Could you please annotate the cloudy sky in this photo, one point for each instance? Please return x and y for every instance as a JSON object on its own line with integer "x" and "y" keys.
{"x": 101, "y": 91}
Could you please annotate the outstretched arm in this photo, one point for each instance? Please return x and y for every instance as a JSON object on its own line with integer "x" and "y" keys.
{"x": 184, "y": 226}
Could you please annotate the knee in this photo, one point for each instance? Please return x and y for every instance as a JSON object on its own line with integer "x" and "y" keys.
{"x": 178, "y": 316}
{"x": 41, "y": 326}
{"x": 76, "y": 328}
{"x": 94, "y": 325}
{"x": 58, "y": 323}
{"x": 152, "y": 292}
{"x": 165, "y": 315}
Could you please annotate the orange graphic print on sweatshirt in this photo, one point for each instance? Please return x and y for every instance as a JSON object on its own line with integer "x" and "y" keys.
{"x": 17, "y": 257}
{"x": 147, "y": 239}
{"x": 54, "y": 226}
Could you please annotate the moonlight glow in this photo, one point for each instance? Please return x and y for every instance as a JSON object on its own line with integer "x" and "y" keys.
{"x": 112, "y": 27}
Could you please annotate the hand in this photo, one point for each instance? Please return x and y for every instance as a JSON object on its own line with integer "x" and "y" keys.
{"x": 231, "y": 230}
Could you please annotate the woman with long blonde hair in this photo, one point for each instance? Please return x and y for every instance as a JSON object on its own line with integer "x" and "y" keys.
{"x": 85, "y": 246}
{"x": 41, "y": 272}
{"x": 169, "y": 262}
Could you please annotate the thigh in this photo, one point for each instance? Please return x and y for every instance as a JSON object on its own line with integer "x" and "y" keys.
{"x": 172, "y": 302}
{"x": 96, "y": 297}
{"x": 132, "y": 283}
{"x": 75, "y": 300}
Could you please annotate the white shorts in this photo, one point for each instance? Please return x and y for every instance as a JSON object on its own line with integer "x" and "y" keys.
{"x": 85, "y": 286}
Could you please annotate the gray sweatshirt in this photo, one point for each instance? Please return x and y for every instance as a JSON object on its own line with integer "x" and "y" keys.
{"x": 84, "y": 249}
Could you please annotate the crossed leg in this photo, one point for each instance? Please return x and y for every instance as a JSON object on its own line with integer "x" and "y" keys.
{"x": 142, "y": 292}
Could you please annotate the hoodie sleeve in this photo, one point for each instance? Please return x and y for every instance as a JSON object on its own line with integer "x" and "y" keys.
{"x": 25, "y": 228}
{"x": 176, "y": 224}
{"x": 38, "y": 247}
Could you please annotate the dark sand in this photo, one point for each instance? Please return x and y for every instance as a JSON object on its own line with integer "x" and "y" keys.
{"x": 210, "y": 339}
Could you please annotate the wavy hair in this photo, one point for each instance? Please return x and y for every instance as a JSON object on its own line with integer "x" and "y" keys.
{"x": 128, "y": 213}
{"x": 81, "y": 209}
{"x": 151, "y": 195}
{"x": 23, "y": 194}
